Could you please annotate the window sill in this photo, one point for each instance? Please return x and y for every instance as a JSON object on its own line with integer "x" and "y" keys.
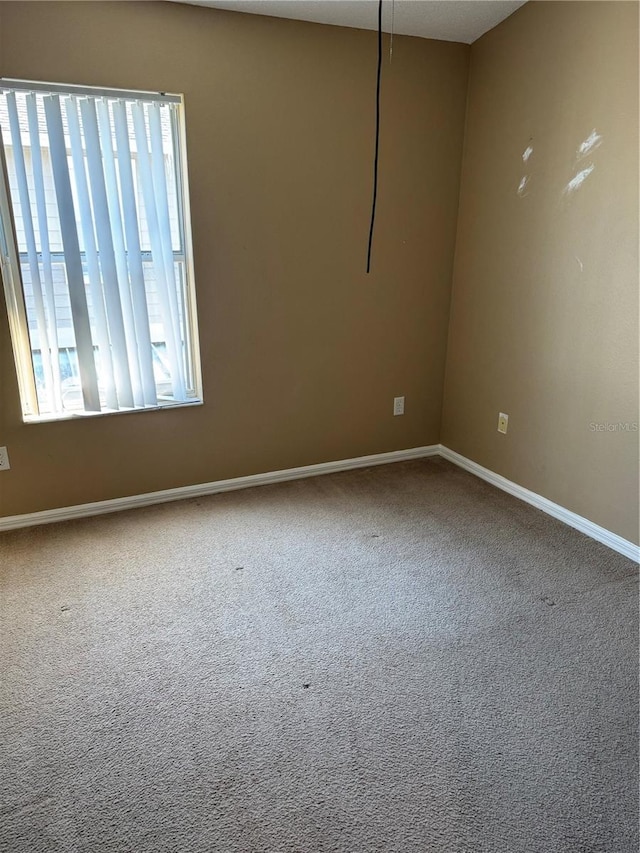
{"x": 81, "y": 416}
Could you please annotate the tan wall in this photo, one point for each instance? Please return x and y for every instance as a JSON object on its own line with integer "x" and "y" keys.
{"x": 302, "y": 352}
{"x": 544, "y": 322}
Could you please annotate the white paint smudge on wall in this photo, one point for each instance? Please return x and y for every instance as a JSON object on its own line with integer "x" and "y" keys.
{"x": 590, "y": 144}
{"x": 524, "y": 181}
{"x": 579, "y": 179}
{"x": 579, "y": 262}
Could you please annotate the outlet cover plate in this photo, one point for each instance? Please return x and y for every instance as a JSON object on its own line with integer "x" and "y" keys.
{"x": 398, "y": 405}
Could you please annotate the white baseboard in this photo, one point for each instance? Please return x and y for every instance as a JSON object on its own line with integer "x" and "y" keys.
{"x": 600, "y": 534}
{"x": 66, "y": 513}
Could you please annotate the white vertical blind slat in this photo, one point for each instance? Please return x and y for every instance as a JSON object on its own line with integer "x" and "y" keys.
{"x": 174, "y": 348}
{"x": 72, "y": 257}
{"x": 107, "y": 254}
{"x": 91, "y": 254}
{"x": 164, "y": 223}
{"x": 138, "y": 293}
{"x": 115, "y": 217}
{"x": 45, "y": 248}
{"x": 32, "y": 252}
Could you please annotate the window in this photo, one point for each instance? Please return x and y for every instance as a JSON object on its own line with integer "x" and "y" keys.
{"x": 95, "y": 249}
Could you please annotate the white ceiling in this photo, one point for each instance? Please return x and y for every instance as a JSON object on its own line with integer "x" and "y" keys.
{"x": 448, "y": 20}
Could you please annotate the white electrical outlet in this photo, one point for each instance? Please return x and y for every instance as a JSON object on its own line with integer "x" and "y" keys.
{"x": 503, "y": 422}
{"x": 398, "y": 405}
{"x": 4, "y": 459}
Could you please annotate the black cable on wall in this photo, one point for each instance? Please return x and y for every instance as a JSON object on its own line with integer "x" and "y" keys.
{"x": 377, "y": 143}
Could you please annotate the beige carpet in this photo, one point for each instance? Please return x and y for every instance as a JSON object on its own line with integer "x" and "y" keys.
{"x": 398, "y": 659}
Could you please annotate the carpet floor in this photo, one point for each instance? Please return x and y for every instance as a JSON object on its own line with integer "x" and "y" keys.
{"x": 398, "y": 659}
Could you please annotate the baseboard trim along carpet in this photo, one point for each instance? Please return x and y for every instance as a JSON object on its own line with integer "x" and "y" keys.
{"x": 600, "y": 534}
{"x": 66, "y": 513}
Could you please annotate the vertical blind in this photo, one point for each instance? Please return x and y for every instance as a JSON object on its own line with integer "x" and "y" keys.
{"x": 95, "y": 185}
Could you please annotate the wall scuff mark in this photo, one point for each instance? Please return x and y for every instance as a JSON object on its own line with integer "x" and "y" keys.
{"x": 524, "y": 181}
{"x": 578, "y": 179}
{"x": 590, "y": 144}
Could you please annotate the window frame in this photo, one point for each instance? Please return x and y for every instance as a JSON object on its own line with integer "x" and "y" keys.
{"x": 11, "y": 271}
